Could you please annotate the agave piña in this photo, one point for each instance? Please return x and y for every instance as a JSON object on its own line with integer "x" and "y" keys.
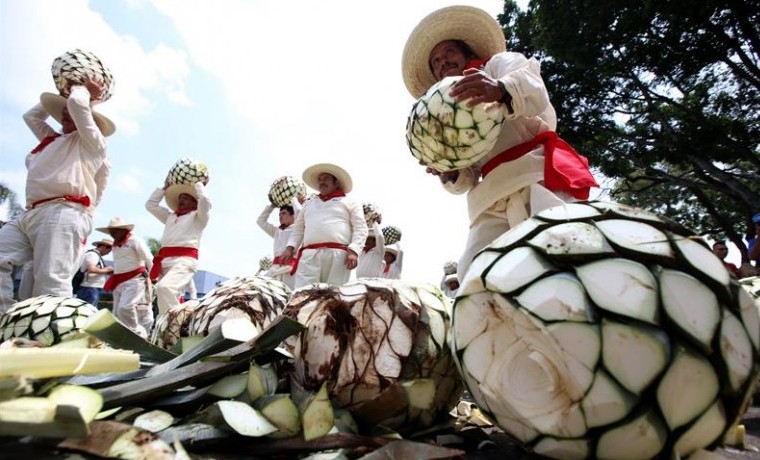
{"x": 170, "y": 327}
{"x": 47, "y": 319}
{"x": 372, "y": 213}
{"x": 381, "y": 348}
{"x": 284, "y": 189}
{"x": 187, "y": 171}
{"x": 391, "y": 234}
{"x": 602, "y": 331}
{"x": 448, "y": 135}
{"x": 75, "y": 65}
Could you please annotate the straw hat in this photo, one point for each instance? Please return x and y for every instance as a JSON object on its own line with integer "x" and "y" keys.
{"x": 104, "y": 241}
{"x": 54, "y": 104}
{"x": 116, "y": 222}
{"x": 449, "y": 278}
{"x": 172, "y": 193}
{"x": 469, "y": 24}
{"x": 311, "y": 175}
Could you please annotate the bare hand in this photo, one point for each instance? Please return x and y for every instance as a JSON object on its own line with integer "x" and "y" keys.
{"x": 287, "y": 255}
{"x": 95, "y": 87}
{"x": 476, "y": 86}
{"x": 352, "y": 260}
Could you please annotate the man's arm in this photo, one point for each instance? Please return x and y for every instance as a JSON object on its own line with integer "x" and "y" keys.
{"x": 35, "y": 120}
{"x": 153, "y": 205}
{"x": 263, "y": 220}
{"x": 204, "y": 204}
{"x": 80, "y": 110}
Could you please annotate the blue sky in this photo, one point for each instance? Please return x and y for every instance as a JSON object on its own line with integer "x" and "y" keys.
{"x": 256, "y": 90}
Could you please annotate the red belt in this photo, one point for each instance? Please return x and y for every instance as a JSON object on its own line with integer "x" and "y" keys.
{"x": 118, "y": 278}
{"x": 564, "y": 168}
{"x": 316, "y": 246}
{"x": 170, "y": 251}
{"x": 278, "y": 261}
{"x": 84, "y": 200}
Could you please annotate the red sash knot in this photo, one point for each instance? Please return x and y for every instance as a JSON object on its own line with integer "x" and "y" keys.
{"x": 170, "y": 251}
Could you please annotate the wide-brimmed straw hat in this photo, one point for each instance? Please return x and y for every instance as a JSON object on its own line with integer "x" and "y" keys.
{"x": 172, "y": 193}
{"x": 471, "y": 25}
{"x": 116, "y": 222}
{"x": 54, "y": 104}
{"x": 104, "y": 242}
{"x": 311, "y": 176}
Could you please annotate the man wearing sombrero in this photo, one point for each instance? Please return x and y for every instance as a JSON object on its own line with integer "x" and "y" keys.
{"x": 331, "y": 228}
{"x": 95, "y": 271}
{"x": 132, "y": 295}
{"x": 184, "y": 221}
{"x": 66, "y": 178}
{"x": 529, "y": 168}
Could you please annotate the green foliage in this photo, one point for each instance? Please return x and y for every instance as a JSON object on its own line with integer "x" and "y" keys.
{"x": 154, "y": 245}
{"x": 9, "y": 196}
{"x": 663, "y": 97}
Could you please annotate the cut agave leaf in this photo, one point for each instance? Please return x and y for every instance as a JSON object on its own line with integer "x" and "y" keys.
{"x": 702, "y": 259}
{"x": 606, "y": 402}
{"x": 282, "y": 412}
{"x": 736, "y": 349}
{"x": 634, "y": 354}
{"x": 472, "y": 282}
{"x": 88, "y": 401}
{"x": 570, "y": 449}
{"x": 229, "y": 386}
{"x": 697, "y": 312}
{"x": 636, "y": 237}
{"x": 569, "y": 211}
{"x": 507, "y": 239}
{"x": 153, "y": 421}
{"x": 642, "y": 437}
{"x": 515, "y": 269}
{"x": 622, "y": 286}
{"x": 571, "y": 239}
{"x": 559, "y": 297}
{"x": 703, "y": 432}
{"x": 688, "y": 387}
{"x": 239, "y": 417}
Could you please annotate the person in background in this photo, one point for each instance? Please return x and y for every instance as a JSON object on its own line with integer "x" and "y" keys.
{"x": 95, "y": 272}
{"x": 754, "y": 249}
{"x": 530, "y": 168}
{"x": 132, "y": 294}
{"x": 450, "y": 285}
{"x": 66, "y": 177}
{"x": 280, "y": 235}
{"x": 184, "y": 221}
{"x": 392, "y": 262}
{"x": 330, "y": 229}
{"x": 371, "y": 260}
{"x": 720, "y": 249}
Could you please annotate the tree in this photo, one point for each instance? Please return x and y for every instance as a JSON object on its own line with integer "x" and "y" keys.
{"x": 9, "y": 196}
{"x": 154, "y": 245}
{"x": 662, "y": 96}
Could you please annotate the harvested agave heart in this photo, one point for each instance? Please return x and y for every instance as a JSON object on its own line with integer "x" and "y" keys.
{"x": 173, "y": 325}
{"x": 47, "y": 319}
{"x": 447, "y": 135}
{"x": 371, "y": 213}
{"x": 381, "y": 348}
{"x": 187, "y": 171}
{"x": 391, "y": 234}
{"x": 596, "y": 330}
{"x": 282, "y": 190}
{"x": 75, "y": 66}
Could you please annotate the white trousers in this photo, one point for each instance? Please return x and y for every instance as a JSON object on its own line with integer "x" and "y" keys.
{"x": 176, "y": 272}
{"x": 132, "y": 305}
{"x": 50, "y": 236}
{"x": 324, "y": 265}
{"x": 504, "y": 215}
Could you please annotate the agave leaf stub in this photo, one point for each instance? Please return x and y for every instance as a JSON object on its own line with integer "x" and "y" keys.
{"x": 597, "y": 330}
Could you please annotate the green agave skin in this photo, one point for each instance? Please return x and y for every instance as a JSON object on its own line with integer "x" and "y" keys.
{"x": 47, "y": 319}
{"x": 282, "y": 191}
{"x": 391, "y": 234}
{"x": 188, "y": 171}
{"x": 596, "y": 330}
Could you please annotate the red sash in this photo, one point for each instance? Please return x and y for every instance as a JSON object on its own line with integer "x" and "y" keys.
{"x": 84, "y": 200}
{"x": 118, "y": 278}
{"x": 564, "y": 168}
{"x": 316, "y": 246}
{"x": 170, "y": 251}
{"x": 278, "y": 261}
{"x": 45, "y": 142}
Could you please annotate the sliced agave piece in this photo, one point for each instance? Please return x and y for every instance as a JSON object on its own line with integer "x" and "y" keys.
{"x": 559, "y": 297}
{"x": 606, "y": 402}
{"x": 750, "y": 318}
{"x": 706, "y": 430}
{"x": 617, "y": 209}
{"x": 634, "y": 354}
{"x": 736, "y": 349}
{"x": 689, "y": 386}
{"x": 702, "y": 259}
{"x": 472, "y": 281}
{"x": 691, "y": 305}
{"x": 570, "y": 449}
{"x": 566, "y": 212}
{"x": 621, "y": 286}
{"x": 642, "y": 437}
{"x": 514, "y": 270}
{"x": 571, "y": 239}
{"x": 636, "y": 237}
{"x": 524, "y": 230}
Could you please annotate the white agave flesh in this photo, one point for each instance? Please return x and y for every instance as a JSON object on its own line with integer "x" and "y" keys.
{"x": 736, "y": 349}
{"x": 636, "y": 236}
{"x": 690, "y": 304}
{"x": 606, "y": 402}
{"x": 470, "y": 319}
{"x": 622, "y": 286}
{"x": 583, "y": 343}
{"x": 608, "y": 207}
{"x": 324, "y": 347}
{"x": 750, "y": 313}
{"x": 505, "y": 417}
{"x": 703, "y": 432}
{"x": 688, "y": 387}
{"x": 698, "y": 256}
{"x": 565, "y": 212}
{"x": 572, "y": 238}
{"x": 472, "y": 282}
{"x": 559, "y": 297}
{"x": 642, "y": 437}
{"x": 515, "y": 234}
{"x": 567, "y": 449}
{"x": 515, "y": 269}
{"x": 634, "y": 354}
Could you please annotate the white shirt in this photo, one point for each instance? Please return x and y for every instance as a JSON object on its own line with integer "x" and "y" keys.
{"x": 131, "y": 255}
{"x": 371, "y": 263}
{"x": 74, "y": 163}
{"x": 280, "y": 235}
{"x": 95, "y": 280}
{"x": 181, "y": 231}
{"x": 337, "y": 220}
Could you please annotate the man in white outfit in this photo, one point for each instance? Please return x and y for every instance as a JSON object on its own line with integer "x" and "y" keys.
{"x": 330, "y": 229}
{"x": 184, "y": 221}
{"x": 129, "y": 282}
{"x": 371, "y": 262}
{"x": 95, "y": 272}
{"x": 530, "y": 168}
{"x": 66, "y": 177}
{"x": 392, "y": 260}
{"x": 280, "y": 234}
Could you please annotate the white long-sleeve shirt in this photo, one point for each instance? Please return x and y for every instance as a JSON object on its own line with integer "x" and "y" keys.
{"x": 181, "y": 231}
{"x": 280, "y": 235}
{"x": 337, "y": 220}
{"x": 532, "y": 113}
{"x": 131, "y": 255}
{"x": 371, "y": 263}
{"x": 73, "y": 164}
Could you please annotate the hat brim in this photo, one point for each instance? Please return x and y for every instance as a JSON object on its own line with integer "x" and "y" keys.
{"x": 54, "y": 104}
{"x": 105, "y": 230}
{"x": 171, "y": 196}
{"x": 311, "y": 176}
{"x": 469, "y": 24}
{"x": 103, "y": 242}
